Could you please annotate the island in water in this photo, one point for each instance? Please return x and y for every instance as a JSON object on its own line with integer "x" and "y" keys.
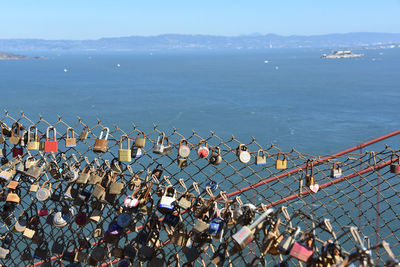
{"x": 342, "y": 54}
{"x": 10, "y": 56}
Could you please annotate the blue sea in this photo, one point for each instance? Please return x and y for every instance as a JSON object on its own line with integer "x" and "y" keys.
{"x": 289, "y": 97}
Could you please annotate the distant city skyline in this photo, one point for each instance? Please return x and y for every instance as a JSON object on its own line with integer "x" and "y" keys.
{"x": 90, "y": 19}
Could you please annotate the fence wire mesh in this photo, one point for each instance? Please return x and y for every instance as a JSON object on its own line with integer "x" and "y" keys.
{"x": 366, "y": 196}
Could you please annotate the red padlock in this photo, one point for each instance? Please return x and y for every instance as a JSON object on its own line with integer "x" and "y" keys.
{"x": 203, "y": 150}
{"x": 81, "y": 218}
{"x": 17, "y": 151}
{"x": 395, "y": 167}
{"x": 43, "y": 212}
{"x": 51, "y": 146}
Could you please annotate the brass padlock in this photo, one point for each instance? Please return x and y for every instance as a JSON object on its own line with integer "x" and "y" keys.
{"x": 84, "y": 134}
{"x": 261, "y": 159}
{"x": 124, "y": 154}
{"x": 33, "y": 141}
{"x": 281, "y": 164}
{"x": 15, "y": 133}
{"x": 70, "y": 140}
{"x": 101, "y": 143}
{"x": 309, "y": 174}
{"x": 140, "y": 141}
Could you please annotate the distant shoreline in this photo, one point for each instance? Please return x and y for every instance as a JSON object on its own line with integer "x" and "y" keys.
{"x": 10, "y": 56}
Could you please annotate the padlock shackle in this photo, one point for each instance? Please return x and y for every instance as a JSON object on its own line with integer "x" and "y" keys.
{"x": 141, "y": 133}
{"x": 16, "y": 126}
{"x": 70, "y": 129}
{"x": 35, "y": 134}
{"x": 122, "y": 139}
{"x": 310, "y": 164}
{"x": 261, "y": 218}
{"x": 48, "y": 133}
{"x": 183, "y": 140}
{"x": 242, "y": 147}
{"x": 393, "y": 156}
{"x": 260, "y": 151}
{"x": 281, "y": 153}
{"x": 160, "y": 139}
{"x": 107, "y": 132}
{"x": 203, "y": 141}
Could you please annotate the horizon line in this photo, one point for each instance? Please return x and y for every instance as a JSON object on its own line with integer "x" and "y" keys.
{"x": 200, "y": 34}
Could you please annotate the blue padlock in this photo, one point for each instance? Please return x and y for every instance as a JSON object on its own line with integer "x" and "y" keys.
{"x": 216, "y": 226}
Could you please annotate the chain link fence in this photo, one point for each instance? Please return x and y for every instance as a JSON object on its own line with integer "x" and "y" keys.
{"x": 366, "y": 195}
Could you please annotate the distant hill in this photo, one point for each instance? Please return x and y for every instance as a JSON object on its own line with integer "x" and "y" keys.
{"x": 205, "y": 42}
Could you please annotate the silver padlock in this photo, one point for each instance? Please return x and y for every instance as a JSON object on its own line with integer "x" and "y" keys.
{"x": 159, "y": 146}
{"x": 288, "y": 240}
{"x": 245, "y": 235}
{"x": 167, "y": 201}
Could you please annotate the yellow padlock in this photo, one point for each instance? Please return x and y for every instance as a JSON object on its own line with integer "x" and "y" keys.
{"x": 124, "y": 154}
{"x": 281, "y": 164}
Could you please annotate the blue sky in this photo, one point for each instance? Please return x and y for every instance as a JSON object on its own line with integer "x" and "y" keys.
{"x": 92, "y": 19}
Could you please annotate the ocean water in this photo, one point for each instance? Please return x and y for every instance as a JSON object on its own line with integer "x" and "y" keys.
{"x": 295, "y": 100}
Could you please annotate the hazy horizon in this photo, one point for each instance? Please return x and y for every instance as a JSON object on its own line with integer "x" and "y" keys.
{"x": 91, "y": 20}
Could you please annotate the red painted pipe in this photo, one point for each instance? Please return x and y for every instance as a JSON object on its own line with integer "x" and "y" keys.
{"x": 338, "y": 180}
{"x": 315, "y": 163}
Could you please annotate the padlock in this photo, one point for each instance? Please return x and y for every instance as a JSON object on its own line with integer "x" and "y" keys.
{"x": 336, "y": 171}
{"x": 271, "y": 239}
{"x": 167, "y": 148}
{"x": 35, "y": 171}
{"x": 101, "y": 144}
{"x": 70, "y": 140}
{"x": 301, "y": 252}
{"x": 288, "y": 240}
{"x": 17, "y": 151}
{"x": 395, "y": 165}
{"x": 261, "y": 159}
{"x": 33, "y": 139}
{"x": 3, "y": 153}
{"x": 203, "y": 150}
{"x": 281, "y": 164}
{"x": 200, "y": 226}
{"x": 84, "y": 175}
{"x": 41, "y": 252}
{"x": 243, "y": 154}
{"x": 185, "y": 201}
{"x": 2, "y": 138}
{"x": 99, "y": 253}
{"x": 182, "y": 162}
{"x": 58, "y": 246}
{"x": 167, "y": 202}
{"x": 246, "y": 234}
{"x": 137, "y": 152}
{"x": 215, "y": 157}
{"x": 157, "y": 172}
{"x": 116, "y": 187}
{"x": 13, "y": 198}
{"x": 84, "y": 134}
{"x": 159, "y": 146}
{"x": 309, "y": 174}
{"x": 179, "y": 236}
{"x": 244, "y": 214}
{"x": 140, "y": 141}
{"x": 43, "y": 193}
{"x": 171, "y": 219}
{"x": 6, "y": 175}
{"x": 15, "y": 134}
{"x": 216, "y": 227}
{"x": 51, "y": 146}
{"x": 124, "y": 154}
{"x": 184, "y": 150}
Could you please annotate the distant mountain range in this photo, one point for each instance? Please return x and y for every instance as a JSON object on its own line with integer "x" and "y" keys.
{"x": 205, "y": 42}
